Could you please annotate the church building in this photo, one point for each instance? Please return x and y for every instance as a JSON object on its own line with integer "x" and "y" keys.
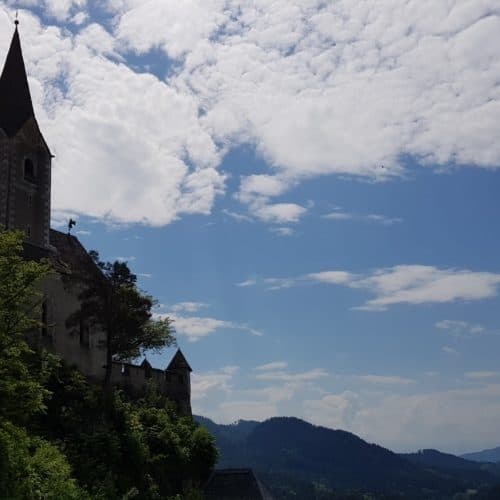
{"x": 25, "y": 195}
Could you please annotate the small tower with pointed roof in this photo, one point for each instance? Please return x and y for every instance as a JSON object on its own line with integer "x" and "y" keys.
{"x": 25, "y": 159}
{"x": 178, "y": 382}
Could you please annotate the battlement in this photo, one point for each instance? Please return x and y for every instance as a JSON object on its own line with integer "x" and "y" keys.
{"x": 174, "y": 382}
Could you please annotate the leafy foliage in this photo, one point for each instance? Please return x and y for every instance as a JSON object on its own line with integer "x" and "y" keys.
{"x": 33, "y": 468}
{"x": 120, "y": 446}
{"x": 111, "y": 298}
{"x": 62, "y": 437}
{"x": 21, "y": 392}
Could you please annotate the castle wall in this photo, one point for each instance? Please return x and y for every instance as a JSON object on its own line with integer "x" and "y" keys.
{"x": 83, "y": 346}
{"x": 136, "y": 378}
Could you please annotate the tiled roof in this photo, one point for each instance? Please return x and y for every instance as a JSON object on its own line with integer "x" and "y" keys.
{"x": 71, "y": 256}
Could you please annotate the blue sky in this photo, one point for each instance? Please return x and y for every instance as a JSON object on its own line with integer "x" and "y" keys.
{"x": 308, "y": 188}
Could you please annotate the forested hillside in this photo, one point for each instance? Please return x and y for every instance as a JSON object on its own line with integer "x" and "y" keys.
{"x": 300, "y": 460}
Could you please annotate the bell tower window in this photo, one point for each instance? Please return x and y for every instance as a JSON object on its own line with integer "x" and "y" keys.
{"x": 29, "y": 170}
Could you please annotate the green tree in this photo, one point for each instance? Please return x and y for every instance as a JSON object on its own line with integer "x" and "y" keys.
{"x": 112, "y": 299}
{"x": 21, "y": 390}
{"x": 33, "y": 468}
{"x": 30, "y": 467}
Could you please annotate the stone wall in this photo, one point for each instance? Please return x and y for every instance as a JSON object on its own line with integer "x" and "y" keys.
{"x": 84, "y": 345}
{"x": 173, "y": 384}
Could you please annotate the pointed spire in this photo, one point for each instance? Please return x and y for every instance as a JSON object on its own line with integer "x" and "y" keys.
{"x": 15, "y": 98}
{"x": 179, "y": 362}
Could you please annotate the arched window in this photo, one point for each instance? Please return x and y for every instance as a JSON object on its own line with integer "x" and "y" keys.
{"x": 29, "y": 170}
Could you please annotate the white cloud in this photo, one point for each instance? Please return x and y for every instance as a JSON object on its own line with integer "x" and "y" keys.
{"x": 231, "y": 411}
{"x": 331, "y": 277}
{"x": 283, "y": 231}
{"x": 79, "y": 18}
{"x": 339, "y": 216}
{"x": 334, "y": 410}
{"x": 378, "y": 218}
{"x": 195, "y": 328}
{"x": 450, "y": 350}
{"x": 237, "y": 216}
{"x": 203, "y": 384}
{"x": 460, "y": 328}
{"x": 453, "y": 420}
{"x": 60, "y": 9}
{"x": 383, "y": 219}
{"x": 280, "y": 213}
{"x": 408, "y": 284}
{"x": 246, "y": 283}
{"x": 279, "y": 283}
{"x": 275, "y": 365}
{"x": 416, "y": 284}
{"x": 111, "y": 126}
{"x": 314, "y": 374}
{"x": 175, "y": 27}
{"x": 189, "y": 307}
{"x": 256, "y": 192}
{"x": 300, "y": 81}
{"x": 305, "y": 81}
{"x": 265, "y": 186}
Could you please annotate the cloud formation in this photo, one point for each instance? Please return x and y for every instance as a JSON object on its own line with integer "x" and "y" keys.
{"x": 275, "y": 365}
{"x": 405, "y": 284}
{"x": 189, "y": 307}
{"x": 446, "y": 419}
{"x": 341, "y": 215}
{"x": 460, "y": 328}
{"x": 302, "y": 82}
{"x": 280, "y": 375}
{"x": 417, "y": 284}
{"x": 194, "y": 327}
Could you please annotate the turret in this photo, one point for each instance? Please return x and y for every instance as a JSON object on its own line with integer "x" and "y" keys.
{"x": 178, "y": 382}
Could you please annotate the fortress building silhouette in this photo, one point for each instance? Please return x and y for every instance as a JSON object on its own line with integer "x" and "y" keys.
{"x": 25, "y": 189}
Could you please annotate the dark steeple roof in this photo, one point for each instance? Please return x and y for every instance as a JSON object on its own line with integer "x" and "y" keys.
{"x": 15, "y": 98}
{"x": 179, "y": 362}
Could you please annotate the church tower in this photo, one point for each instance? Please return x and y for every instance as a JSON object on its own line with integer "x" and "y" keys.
{"x": 25, "y": 159}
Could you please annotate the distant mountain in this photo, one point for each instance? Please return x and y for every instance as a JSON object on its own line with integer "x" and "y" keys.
{"x": 452, "y": 465}
{"x": 491, "y": 455}
{"x": 299, "y": 460}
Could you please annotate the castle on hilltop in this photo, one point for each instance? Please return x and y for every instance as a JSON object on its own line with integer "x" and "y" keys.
{"x": 25, "y": 189}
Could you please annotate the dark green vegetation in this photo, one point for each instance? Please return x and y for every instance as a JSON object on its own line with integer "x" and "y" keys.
{"x": 64, "y": 438}
{"x": 298, "y": 460}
